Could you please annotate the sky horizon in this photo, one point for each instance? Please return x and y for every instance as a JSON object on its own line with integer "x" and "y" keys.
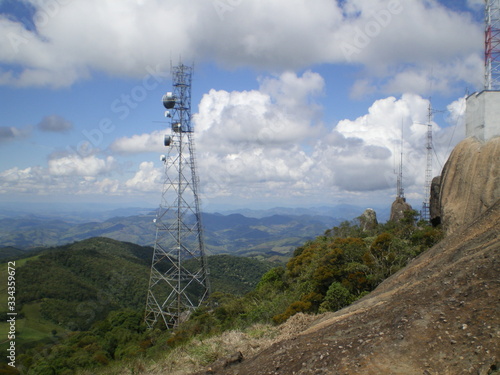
{"x": 293, "y": 106}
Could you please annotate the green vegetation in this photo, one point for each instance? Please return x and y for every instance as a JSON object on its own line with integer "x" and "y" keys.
{"x": 235, "y": 275}
{"x": 325, "y": 274}
{"x": 65, "y": 291}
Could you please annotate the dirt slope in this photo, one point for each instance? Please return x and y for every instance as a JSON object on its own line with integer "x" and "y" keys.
{"x": 440, "y": 315}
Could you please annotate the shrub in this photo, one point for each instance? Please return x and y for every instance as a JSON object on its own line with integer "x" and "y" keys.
{"x": 336, "y": 298}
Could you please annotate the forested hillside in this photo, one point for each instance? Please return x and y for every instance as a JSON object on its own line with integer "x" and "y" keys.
{"x": 323, "y": 275}
{"x": 69, "y": 289}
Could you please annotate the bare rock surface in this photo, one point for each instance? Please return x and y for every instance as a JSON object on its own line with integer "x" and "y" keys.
{"x": 398, "y": 208}
{"x": 368, "y": 219}
{"x": 470, "y": 182}
{"x": 440, "y": 315}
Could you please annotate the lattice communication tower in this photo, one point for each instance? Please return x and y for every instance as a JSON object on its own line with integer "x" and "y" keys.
{"x": 400, "y": 192}
{"x": 492, "y": 45}
{"x": 179, "y": 273}
{"x": 426, "y": 206}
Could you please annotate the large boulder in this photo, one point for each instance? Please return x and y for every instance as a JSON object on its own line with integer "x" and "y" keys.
{"x": 368, "y": 220}
{"x": 398, "y": 208}
{"x": 470, "y": 182}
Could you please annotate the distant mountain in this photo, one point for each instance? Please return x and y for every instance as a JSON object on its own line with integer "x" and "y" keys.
{"x": 340, "y": 212}
{"x": 271, "y": 236}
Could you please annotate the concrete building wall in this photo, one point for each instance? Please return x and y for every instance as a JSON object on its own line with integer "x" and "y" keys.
{"x": 482, "y": 117}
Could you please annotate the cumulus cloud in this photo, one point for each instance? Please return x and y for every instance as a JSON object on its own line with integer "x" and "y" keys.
{"x": 269, "y": 142}
{"x": 146, "y": 179}
{"x": 54, "y": 123}
{"x": 281, "y": 112}
{"x": 73, "y": 39}
{"x": 135, "y": 144}
{"x": 75, "y": 165}
{"x": 356, "y": 156}
{"x": 38, "y": 180}
{"x": 28, "y": 180}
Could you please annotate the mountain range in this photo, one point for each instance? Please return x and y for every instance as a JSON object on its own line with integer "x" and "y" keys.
{"x": 272, "y": 233}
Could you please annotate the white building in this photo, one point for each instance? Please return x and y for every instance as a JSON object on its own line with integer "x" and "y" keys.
{"x": 482, "y": 116}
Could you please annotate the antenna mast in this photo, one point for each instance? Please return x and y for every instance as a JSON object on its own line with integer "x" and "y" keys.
{"x": 492, "y": 45}
{"x": 399, "y": 184}
{"x": 179, "y": 274}
{"x": 426, "y": 215}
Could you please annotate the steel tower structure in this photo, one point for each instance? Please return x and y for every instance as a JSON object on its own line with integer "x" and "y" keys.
{"x": 400, "y": 192}
{"x": 179, "y": 273}
{"x": 425, "y": 214}
{"x": 492, "y": 45}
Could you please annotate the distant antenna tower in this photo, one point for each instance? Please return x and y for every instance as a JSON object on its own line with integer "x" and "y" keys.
{"x": 425, "y": 214}
{"x": 492, "y": 45}
{"x": 179, "y": 274}
{"x": 399, "y": 184}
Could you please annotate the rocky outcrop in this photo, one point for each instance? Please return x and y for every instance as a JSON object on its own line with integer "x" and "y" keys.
{"x": 368, "y": 220}
{"x": 470, "y": 182}
{"x": 398, "y": 208}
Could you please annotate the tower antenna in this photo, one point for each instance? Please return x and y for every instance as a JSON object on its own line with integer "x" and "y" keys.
{"x": 399, "y": 184}
{"x": 425, "y": 214}
{"x": 178, "y": 281}
{"x": 492, "y": 45}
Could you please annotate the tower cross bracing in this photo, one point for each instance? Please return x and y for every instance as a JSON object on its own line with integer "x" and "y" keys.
{"x": 492, "y": 45}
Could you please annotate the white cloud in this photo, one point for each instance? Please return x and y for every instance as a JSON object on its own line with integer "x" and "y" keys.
{"x": 268, "y": 143}
{"x": 74, "y": 165}
{"x": 39, "y": 181}
{"x": 135, "y": 144}
{"x": 353, "y": 158}
{"x": 357, "y": 156}
{"x": 28, "y": 180}
{"x": 75, "y": 38}
{"x": 281, "y": 112}
{"x": 146, "y": 179}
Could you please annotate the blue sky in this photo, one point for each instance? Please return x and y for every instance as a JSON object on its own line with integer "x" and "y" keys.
{"x": 295, "y": 103}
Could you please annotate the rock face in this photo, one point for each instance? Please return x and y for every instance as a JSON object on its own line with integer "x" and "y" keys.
{"x": 368, "y": 220}
{"x": 435, "y": 209}
{"x": 398, "y": 208}
{"x": 439, "y": 315}
{"x": 470, "y": 182}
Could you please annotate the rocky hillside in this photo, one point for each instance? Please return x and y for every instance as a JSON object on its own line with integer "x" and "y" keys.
{"x": 439, "y": 315}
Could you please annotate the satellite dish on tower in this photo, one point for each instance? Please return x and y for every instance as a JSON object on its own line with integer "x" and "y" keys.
{"x": 167, "y": 141}
{"x": 169, "y": 100}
